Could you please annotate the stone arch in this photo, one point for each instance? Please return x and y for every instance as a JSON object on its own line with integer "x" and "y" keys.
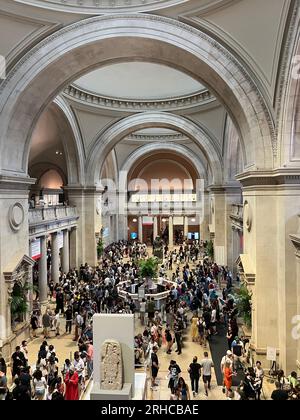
{"x": 87, "y": 44}
{"x": 172, "y": 148}
{"x": 74, "y": 149}
{"x": 107, "y": 140}
{"x": 289, "y": 101}
{"x": 233, "y": 156}
{"x": 38, "y": 170}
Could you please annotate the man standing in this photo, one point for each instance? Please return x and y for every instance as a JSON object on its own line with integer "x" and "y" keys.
{"x": 78, "y": 325}
{"x": 154, "y": 367}
{"x": 195, "y": 372}
{"x": 69, "y": 320}
{"x": 207, "y": 365}
{"x": 46, "y": 321}
{"x": 18, "y": 362}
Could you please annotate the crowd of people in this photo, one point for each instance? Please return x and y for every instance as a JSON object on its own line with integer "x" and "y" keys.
{"x": 200, "y": 296}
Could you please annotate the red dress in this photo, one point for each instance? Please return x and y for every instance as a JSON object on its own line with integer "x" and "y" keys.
{"x": 228, "y": 378}
{"x": 71, "y": 387}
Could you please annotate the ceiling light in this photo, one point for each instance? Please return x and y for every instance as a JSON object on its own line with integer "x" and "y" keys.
{"x": 134, "y": 220}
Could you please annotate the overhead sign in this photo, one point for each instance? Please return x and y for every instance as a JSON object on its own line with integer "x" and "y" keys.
{"x": 35, "y": 249}
{"x": 271, "y": 354}
{"x": 164, "y": 198}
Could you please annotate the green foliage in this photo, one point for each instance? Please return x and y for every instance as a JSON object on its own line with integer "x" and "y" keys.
{"x": 100, "y": 247}
{"x": 18, "y": 302}
{"x": 210, "y": 249}
{"x": 148, "y": 268}
{"x": 244, "y": 304}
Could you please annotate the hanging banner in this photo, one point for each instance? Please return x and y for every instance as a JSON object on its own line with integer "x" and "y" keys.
{"x": 35, "y": 249}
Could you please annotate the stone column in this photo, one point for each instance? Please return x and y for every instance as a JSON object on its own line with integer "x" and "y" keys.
{"x": 271, "y": 208}
{"x": 73, "y": 239}
{"x": 89, "y": 224}
{"x": 43, "y": 284}
{"x": 140, "y": 230}
{"x": 296, "y": 319}
{"x": 77, "y": 236}
{"x": 204, "y": 219}
{"x": 221, "y": 200}
{"x": 186, "y": 226}
{"x": 155, "y": 227}
{"x": 54, "y": 257}
{"x": 66, "y": 253}
{"x": 171, "y": 233}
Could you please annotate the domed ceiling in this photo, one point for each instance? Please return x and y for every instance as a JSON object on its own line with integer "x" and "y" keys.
{"x": 138, "y": 81}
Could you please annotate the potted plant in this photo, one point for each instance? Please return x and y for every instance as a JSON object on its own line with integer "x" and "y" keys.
{"x": 148, "y": 268}
{"x": 19, "y": 305}
{"x": 244, "y": 305}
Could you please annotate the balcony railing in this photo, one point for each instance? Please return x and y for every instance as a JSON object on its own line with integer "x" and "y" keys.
{"x": 51, "y": 214}
{"x": 237, "y": 215}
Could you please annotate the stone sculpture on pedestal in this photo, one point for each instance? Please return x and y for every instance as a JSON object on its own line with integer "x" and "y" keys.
{"x": 111, "y": 366}
{"x": 158, "y": 248}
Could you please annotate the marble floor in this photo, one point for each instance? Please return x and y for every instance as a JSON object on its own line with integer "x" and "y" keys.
{"x": 65, "y": 348}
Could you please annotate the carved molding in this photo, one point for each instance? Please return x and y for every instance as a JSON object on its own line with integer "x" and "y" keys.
{"x": 157, "y": 137}
{"x": 281, "y": 177}
{"x": 78, "y": 94}
{"x": 296, "y": 242}
{"x": 16, "y": 216}
{"x": 20, "y": 273}
{"x": 105, "y": 6}
{"x": 247, "y": 216}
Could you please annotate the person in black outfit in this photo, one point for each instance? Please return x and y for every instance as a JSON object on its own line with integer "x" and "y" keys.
{"x": 69, "y": 319}
{"x": 279, "y": 394}
{"x": 59, "y": 301}
{"x": 34, "y": 322}
{"x": 249, "y": 385}
{"x": 195, "y": 373}
{"x": 177, "y": 331}
{"x": 3, "y": 367}
{"x": 19, "y": 362}
{"x": 154, "y": 367}
{"x": 25, "y": 379}
{"x": 20, "y": 392}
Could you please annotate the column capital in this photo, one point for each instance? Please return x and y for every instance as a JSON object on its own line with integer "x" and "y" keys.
{"x": 16, "y": 183}
{"x": 225, "y": 189}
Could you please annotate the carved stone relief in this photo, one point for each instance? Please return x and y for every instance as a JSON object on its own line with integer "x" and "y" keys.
{"x": 16, "y": 216}
{"x": 111, "y": 366}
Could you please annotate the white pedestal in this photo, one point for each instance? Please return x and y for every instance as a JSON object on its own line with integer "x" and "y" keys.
{"x": 119, "y": 327}
{"x": 98, "y": 394}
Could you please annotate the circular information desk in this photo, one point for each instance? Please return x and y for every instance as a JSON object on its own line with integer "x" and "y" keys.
{"x": 159, "y": 297}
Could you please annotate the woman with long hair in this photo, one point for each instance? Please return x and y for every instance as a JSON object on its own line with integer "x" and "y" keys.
{"x": 39, "y": 385}
{"x": 184, "y": 390}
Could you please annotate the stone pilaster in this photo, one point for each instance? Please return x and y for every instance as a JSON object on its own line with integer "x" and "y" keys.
{"x": 14, "y": 241}
{"x": 89, "y": 224}
{"x": 221, "y": 199}
{"x": 271, "y": 207}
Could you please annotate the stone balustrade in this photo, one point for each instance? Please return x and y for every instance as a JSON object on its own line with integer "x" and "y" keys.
{"x": 237, "y": 216}
{"x": 49, "y": 219}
